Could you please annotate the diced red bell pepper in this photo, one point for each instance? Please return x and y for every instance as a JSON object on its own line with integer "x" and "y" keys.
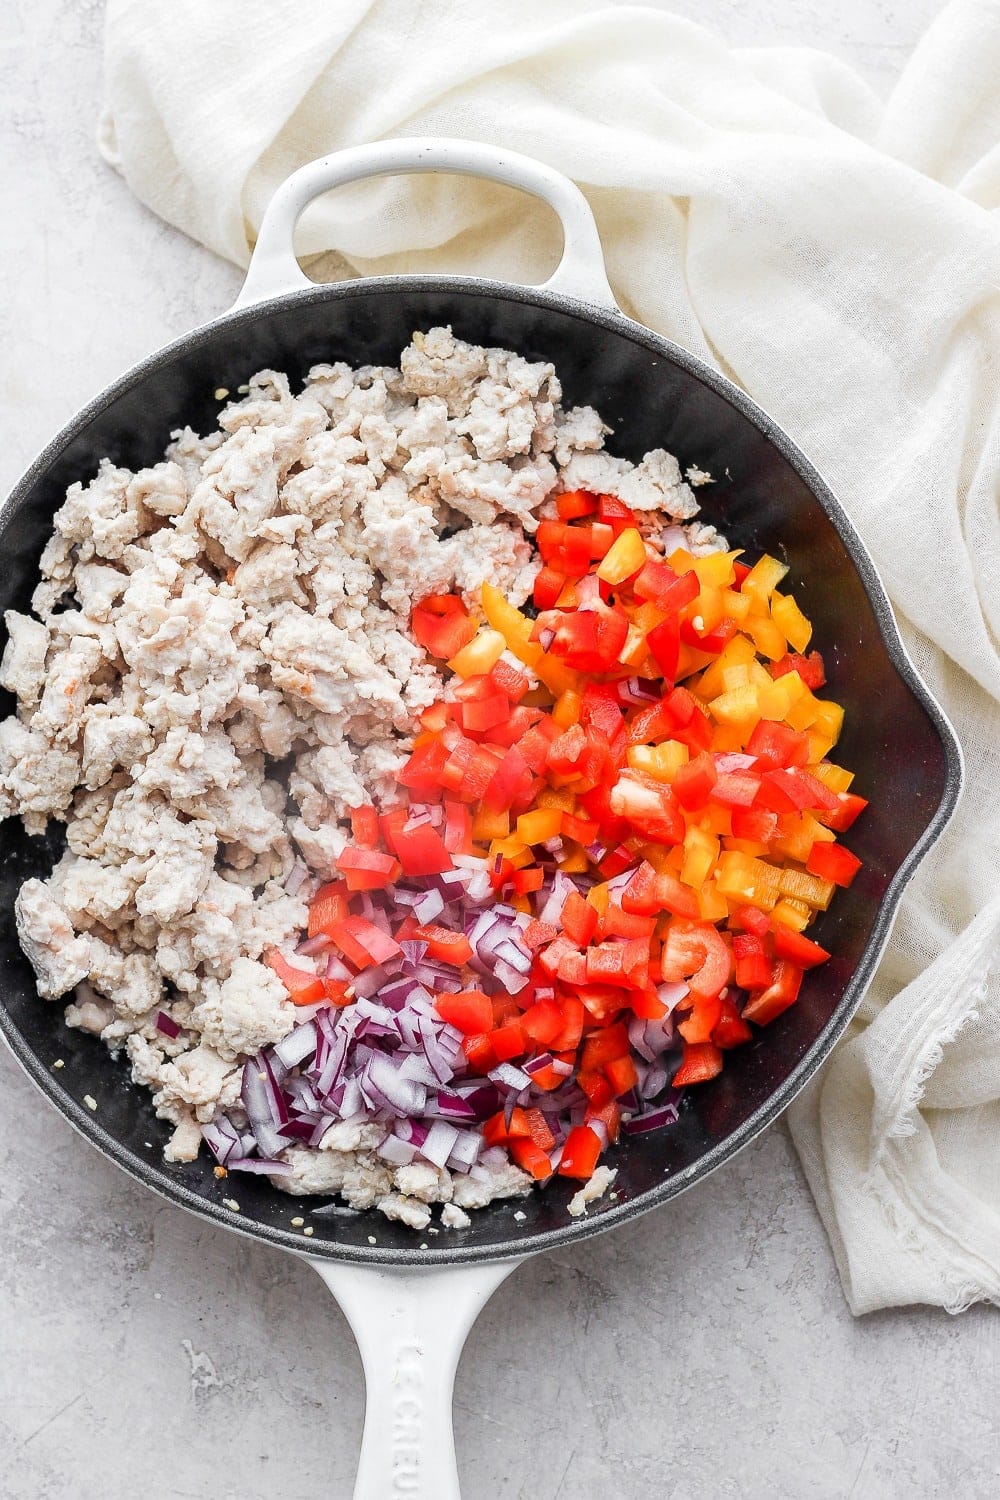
{"x": 651, "y": 724}
{"x": 736, "y": 789}
{"x": 422, "y": 772}
{"x": 711, "y": 641}
{"x": 336, "y": 992}
{"x": 479, "y": 1053}
{"x": 666, "y": 589}
{"x": 751, "y": 919}
{"x": 573, "y": 1015}
{"x": 549, "y": 584}
{"x": 694, "y": 781}
{"x": 457, "y": 828}
{"x": 810, "y": 668}
{"x": 705, "y": 1016}
{"x": 419, "y": 847}
{"x": 621, "y": 1074}
{"x": 782, "y": 992}
{"x": 615, "y": 513}
{"x": 576, "y": 503}
{"x": 796, "y": 947}
{"x": 617, "y": 922}
{"x": 508, "y": 1041}
{"x": 531, "y": 1159}
{"x": 329, "y": 905}
{"x": 543, "y": 1022}
{"x": 364, "y": 826}
{"x": 511, "y": 779}
{"x": 443, "y": 945}
{"x": 470, "y": 1012}
{"x": 730, "y": 1029}
{"x": 664, "y": 642}
{"x": 753, "y": 962}
{"x": 596, "y": 1087}
{"x": 647, "y": 1005}
{"x": 602, "y": 1002}
{"x": 778, "y": 745}
{"x": 701, "y": 1061}
{"x": 755, "y": 824}
{"x": 363, "y": 943}
{"x": 507, "y": 678}
{"x": 604, "y": 1046}
{"x": 648, "y": 805}
{"x": 695, "y": 951}
{"x": 833, "y": 862}
{"x": 579, "y": 919}
{"x": 304, "y": 987}
{"x": 840, "y": 818}
{"x": 609, "y": 1115}
{"x": 580, "y": 1154}
{"x": 537, "y": 934}
{"x": 442, "y": 625}
{"x": 367, "y": 869}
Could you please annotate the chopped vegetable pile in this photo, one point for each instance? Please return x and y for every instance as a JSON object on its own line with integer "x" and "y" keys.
{"x": 619, "y": 821}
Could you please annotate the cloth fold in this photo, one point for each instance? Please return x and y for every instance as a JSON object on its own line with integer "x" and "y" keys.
{"x": 840, "y": 258}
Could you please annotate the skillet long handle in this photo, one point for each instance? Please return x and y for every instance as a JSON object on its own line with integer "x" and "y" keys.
{"x": 411, "y": 1326}
{"x": 274, "y": 270}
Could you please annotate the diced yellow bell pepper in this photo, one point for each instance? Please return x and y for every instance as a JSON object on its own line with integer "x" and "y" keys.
{"x": 739, "y": 651}
{"x": 781, "y": 694}
{"x": 516, "y": 630}
{"x": 806, "y": 887}
{"x": 624, "y": 557}
{"x": 551, "y": 796}
{"x": 829, "y": 718}
{"x": 647, "y": 617}
{"x": 716, "y": 568}
{"x": 707, "y": 611}
{"x": 797, "y": 834}
{"x": 732, "y": 736}
{"x": 512, "y": 848}
{"x": 482, "y": 653}
{"x": 540, "y": 824}
{"x": 635, "y": 650}
{"x": 522, "y": 903}
{"x": 701, "y": 850}
{"x": 743, "y": 878}
{"x": 804, "y": 712}
{"x": 575, "y": 862}
{"x": 661, "y": 761}
{"x": 715, "y": 820}
{"x": 766, "y": 636}
{"x": 739, "y": 706}
{"x": 833, "y": 776}
{"x": 681, "y": 560}
{"x": 764, "y": 577}
{"x": 691, "y": 660}
{"x": 735, "y": 677}
{"x": 790, "y": 620}
{"x": 599, "y": 897}
{"x": 794, "y": 914}
{"x": 746, "y": 846}
{"x": 736, "y": 604}
{"x": 820, "y": 745}
{"x": 712, "y": 904}
{"x": 567, "y": 708}
{"x": 490, "y": 825}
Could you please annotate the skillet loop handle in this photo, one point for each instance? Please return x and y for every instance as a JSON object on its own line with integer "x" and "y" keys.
{"x": 411, "y": 1326}
{"x": 274, "y": 270}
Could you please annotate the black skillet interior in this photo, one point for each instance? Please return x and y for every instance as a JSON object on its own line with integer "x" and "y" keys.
{"x": 764, "y": 498}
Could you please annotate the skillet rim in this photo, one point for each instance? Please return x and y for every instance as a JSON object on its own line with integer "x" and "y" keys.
{"x": 154, "y": 1176}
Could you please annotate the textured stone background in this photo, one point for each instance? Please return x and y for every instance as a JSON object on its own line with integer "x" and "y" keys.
{"x": 705, "y": 1352}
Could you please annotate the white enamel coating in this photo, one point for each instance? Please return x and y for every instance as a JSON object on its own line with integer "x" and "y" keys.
{"x": 411, "y": 1327}
{"x": 274, "y": 270}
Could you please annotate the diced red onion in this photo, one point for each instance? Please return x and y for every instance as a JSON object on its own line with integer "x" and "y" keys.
{"x": 440, "y": 1142}
{"x": 260, "y": 1166}
{"x": 466, "y": 1150}
{"x": 510, "y": 1077}
{"x": 167, "y": 1024}
{"x": 650, "y": 1119}
{"x": 397, "y": 1152}
{"x": 337, "y": 969}
{"x": 313, "y": 946}
{"x": 296, "y": 878}
{"x": 299, "y": 1044}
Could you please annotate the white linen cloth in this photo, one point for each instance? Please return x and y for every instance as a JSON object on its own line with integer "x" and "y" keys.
{"x": 838, "y": 257}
